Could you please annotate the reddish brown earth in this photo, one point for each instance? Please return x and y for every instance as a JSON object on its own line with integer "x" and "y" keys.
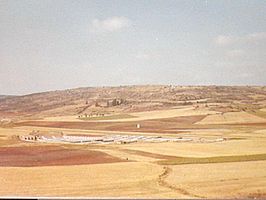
{"x": 257, "y": 195}
{"x": 31, "y": 156}
{"x": 157, "y": 126}
{"x": 9, "y": 114}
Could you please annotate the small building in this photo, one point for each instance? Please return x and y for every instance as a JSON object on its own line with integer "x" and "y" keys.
{"x": 28, "y": 137}
{"x": 114, "y": 102}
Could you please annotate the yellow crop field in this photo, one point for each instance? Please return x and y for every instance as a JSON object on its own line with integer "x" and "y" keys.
{"x": 227, "y": 148}
{"x": 231, "y": 118}
{"x": 227, "y": 180}
{"x": 100, "y": 180}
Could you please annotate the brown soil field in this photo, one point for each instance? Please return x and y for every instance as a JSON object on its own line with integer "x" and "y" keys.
{"x": 163, "y": 114}
{"x": 156, "y": 125}
{"x": 29, "y": 156}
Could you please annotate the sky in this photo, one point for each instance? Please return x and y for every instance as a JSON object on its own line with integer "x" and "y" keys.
{"x": 57, "y": 44}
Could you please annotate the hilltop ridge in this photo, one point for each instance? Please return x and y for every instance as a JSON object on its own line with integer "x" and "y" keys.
{"x": 135, "y": 98}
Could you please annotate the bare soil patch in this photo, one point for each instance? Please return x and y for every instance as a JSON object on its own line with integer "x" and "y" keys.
{"x": 155, "y": 126}
{"x": 256, "y": 195}
{"x": 31, "y": 156}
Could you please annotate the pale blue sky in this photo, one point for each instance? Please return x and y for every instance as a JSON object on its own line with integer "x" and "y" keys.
{"x": 53, "y": 44}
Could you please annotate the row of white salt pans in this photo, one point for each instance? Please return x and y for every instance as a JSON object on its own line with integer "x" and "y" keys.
{"x": 117, "y": 139}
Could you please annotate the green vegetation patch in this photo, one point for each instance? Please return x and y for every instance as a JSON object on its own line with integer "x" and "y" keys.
{"x": 120, "y": 116}
{"x": 218, "y": 159}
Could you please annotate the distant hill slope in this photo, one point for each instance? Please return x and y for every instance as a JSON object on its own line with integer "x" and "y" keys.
{"x": 136, "y": 98}
{"x": 2, "y": 97}
{"x": 5, "y": 96}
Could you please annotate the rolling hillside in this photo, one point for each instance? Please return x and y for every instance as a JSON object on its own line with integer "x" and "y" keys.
{"x": 135, "y": 98}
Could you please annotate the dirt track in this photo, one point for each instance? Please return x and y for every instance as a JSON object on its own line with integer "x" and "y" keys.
{"x": 162, "y": 182}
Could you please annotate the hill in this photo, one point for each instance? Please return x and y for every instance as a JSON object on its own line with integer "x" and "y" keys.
{"x": 132, "y": 98}
{"x": 6, "y": 96}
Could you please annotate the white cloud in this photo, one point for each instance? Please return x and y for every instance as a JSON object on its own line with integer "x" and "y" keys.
{"x": 143, "y": 56}
{"x": 110, "y": 24}
{"x": 245, "y": 75}
{"x": 256, "y": 36}
{"x": 235, "y": 53}
{"x": 227, "y": 40}
{"x": 223, "y": 40}
{"x": 149, "y": 55}
{"x": 242, "y": 48}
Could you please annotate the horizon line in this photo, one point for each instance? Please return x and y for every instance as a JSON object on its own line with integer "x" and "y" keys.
{"x": 134, "y": 85}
